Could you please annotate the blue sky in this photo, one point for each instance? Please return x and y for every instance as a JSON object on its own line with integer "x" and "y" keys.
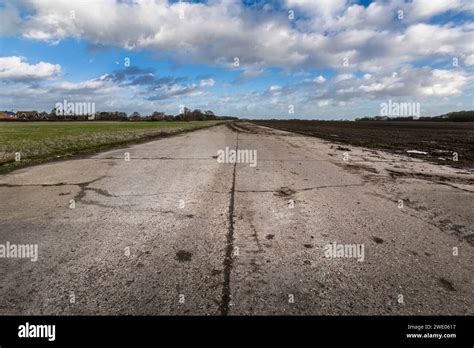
{"x": 326, "y": 59}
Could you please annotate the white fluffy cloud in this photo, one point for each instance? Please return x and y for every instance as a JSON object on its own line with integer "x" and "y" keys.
{"x": 319, "y": 79}
{"x": 428, "y": 8}
{"x": 409, "y": 82}
{"x": 207, "y": 83}
{"x": 219, "y": 31}
{"x": 16, "y": 68}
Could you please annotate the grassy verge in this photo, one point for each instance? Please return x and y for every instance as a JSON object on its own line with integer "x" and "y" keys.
{"x": 39, "y": 142}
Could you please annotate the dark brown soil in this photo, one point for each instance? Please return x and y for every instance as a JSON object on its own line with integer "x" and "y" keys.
{"x": 439, "y": 139}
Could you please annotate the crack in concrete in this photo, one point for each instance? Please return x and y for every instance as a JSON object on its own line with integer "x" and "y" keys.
{"x": 153, "y": 158}
{"x": 303, "y": 189}
{"x": 228, "y": 262}
{"x": 53, "y": 185}
{"x": 255, "y": 237}
{"x": 170, "y": 192}
{"x": 80, "y": 195}
{"x": 100, "y": 191}
{"x": 83, "y": 186}
{"x": 38, "y": 185}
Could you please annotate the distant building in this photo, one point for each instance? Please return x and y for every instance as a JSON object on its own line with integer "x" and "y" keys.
{"x": 27, "y": 115}
{"x": 43, "y": 116}
{"x": 7, "y": 115}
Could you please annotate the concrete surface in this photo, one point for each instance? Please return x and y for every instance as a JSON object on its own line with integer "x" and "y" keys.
{"x": 174, "y": 232}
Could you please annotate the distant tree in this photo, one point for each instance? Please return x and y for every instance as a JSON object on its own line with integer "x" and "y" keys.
{"x": 198, "y": 115}
{"x": 461, "y": 116}
{"x": 210, "y": 115}
{"x": 111, "y": 116}
{"x": 136, "y": 117}
{"x": 158, "y": 116}
{"x": 186, "y": 115}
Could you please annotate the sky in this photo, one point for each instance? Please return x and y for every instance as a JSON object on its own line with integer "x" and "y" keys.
{"x": 308, "y": 59}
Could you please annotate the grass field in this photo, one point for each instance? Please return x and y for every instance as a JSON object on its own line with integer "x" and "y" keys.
{"x": 38, "y": 142}
{"x": 438, "y": 139}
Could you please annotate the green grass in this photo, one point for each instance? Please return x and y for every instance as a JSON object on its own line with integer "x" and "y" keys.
{"x": 38, "y": 142}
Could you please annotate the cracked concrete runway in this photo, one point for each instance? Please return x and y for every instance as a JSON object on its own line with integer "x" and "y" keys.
{"x": 174, "y": 232}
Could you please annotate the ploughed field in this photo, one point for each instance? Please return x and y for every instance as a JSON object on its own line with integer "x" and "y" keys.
{"x": 440, "y": 140}
{"x": 24, "y": 143}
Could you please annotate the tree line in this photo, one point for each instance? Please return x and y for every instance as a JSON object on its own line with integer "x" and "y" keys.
{"x": 458, "y": 116}
{"x": 186, "y": 115}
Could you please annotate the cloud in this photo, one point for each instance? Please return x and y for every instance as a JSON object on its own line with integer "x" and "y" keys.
{"x": 409, "y": 82}
{"x": 218, "y": 31}
{"x": 10, "y": 19}
{"x": 249, "y": 73}
{"x": 126, "y": 89}
{"x": 135, "y": 76}
{"x": 323, "y": 103}
{"x": 83, "y": 86}
{"x": 178, "y": 90}
{"x": 207, "y": 83}
{"x": 129, "y": 72}
{"x": 319, "y": 79}
{"x": 16, "y": 69}
{"x": 345, "y": 89}
{"x": 343, "y": 77}
{"x": 425, "y": 9}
